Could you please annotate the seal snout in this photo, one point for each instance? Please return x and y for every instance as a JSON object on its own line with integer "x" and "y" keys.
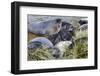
{"x": 58, "y": 20}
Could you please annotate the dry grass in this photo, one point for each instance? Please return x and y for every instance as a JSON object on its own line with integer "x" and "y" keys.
{"x": 81, "y": 34}
{"x": 40, "y": 54}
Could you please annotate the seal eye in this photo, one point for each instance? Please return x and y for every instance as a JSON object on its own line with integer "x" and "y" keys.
{"x": 58, "y": 20}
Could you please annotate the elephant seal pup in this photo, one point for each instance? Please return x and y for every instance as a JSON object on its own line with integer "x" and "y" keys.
{"x": 39, "y": 42}
{"x": 61, "y": 48}
{"x": 45, "y": 28}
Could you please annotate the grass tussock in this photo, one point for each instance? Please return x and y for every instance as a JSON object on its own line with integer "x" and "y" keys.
{"x": 81, "y": 34}
{"x": 40, "y": 54}
{"x": 80, "y": 49}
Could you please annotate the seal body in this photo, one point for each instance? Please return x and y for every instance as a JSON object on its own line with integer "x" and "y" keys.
{"x": 83, "y": 27}
{"x": 45, "y": 28}
{"x": 65, "y": 34}
{"x": 39, "y": 42}
{"x": 83, "y": 24}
